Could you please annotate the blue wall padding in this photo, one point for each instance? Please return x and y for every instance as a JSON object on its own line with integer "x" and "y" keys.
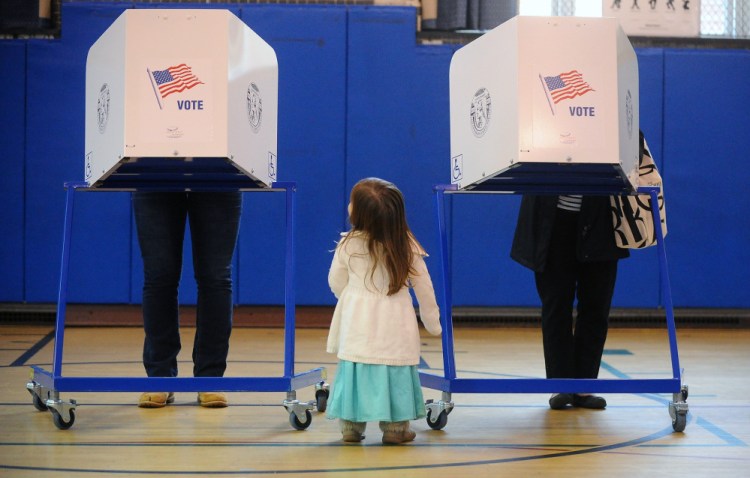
{"x": 431, "y": 146}
{"x": 397, "y": 126}
{"x": 638, "y": 279}
{"x": 651, "y": 90}
{"x": 261, "y": 249}
{"x": 706, "y": 144}
{"x": 235, "y": 9}
{"x": 100, "y": 247}
{"x": 359, "y": 97}
{"x": 482, "y": 233}
{"x": 13, "y": 119}
{"x": 54, "y": 155}
{"x": 381, "y": 121}
{"x": 310, "y": 45}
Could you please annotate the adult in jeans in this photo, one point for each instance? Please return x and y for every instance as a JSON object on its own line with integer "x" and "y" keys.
{"x": 160, "y": 219}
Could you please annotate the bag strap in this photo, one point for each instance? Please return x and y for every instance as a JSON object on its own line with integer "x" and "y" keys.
{"x": 641, "y": 147}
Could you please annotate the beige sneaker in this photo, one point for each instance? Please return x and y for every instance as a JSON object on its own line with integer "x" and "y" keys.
{"x": 155, "y": 399}
{"x": 212, "y": 399}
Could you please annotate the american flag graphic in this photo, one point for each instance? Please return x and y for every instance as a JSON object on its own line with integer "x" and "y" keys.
{"x": 566, "y": 86}
{"x": 175, "y": 79}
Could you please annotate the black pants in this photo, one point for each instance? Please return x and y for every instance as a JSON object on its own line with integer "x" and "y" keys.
{"x": 573, "y": 350}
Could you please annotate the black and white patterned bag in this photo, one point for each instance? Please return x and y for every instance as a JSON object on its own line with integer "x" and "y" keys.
{"x": 632, "y": 215}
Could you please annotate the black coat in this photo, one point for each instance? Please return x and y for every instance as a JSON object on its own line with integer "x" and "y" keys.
{"x": 596, "y": 236}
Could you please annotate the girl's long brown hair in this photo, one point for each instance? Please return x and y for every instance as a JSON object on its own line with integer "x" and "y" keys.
{"x": 378, "y": 211}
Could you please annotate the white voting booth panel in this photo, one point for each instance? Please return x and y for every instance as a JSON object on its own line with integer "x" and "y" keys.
{"x": 550, "y": 100}
{"x": 180, "y": 93}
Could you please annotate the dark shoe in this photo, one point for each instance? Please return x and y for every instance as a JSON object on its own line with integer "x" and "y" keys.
{"x": 212, "y": 399}
{"x": 155, "y": 399}
{"x": 559, "y": 401}
{"x": 589, "y": 401}
{"x": 398, "y": 437}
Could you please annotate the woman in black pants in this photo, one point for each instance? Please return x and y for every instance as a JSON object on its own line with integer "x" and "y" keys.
{"x": 568, "y": 241}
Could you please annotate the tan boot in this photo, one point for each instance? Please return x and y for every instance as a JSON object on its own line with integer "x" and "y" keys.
{"x": 212, "y": 399}
{"x": 396, "y": 433}
{"x": 352, "y": 432}
{"x": 155, "y": 399}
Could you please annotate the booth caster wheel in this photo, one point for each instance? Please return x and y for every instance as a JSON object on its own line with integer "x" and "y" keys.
{"x": 679, "y": 422}
{"x": 321, "y": 400}
{"x": 37, "y": 391}
{"x": 300, "y": 415}
{"x": 300, "y": 425}
{"x": 59, "y": 422}
{"x": 437, "y": 411}
{"x": 440, "y": 422}
{"x": 38, "y": 403}
{"x": 678, "y": 411}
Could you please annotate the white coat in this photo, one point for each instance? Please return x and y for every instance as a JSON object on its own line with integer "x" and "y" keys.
{"x": 369, "y": 326}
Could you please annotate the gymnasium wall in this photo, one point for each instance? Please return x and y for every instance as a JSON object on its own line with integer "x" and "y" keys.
{"x": 358, "y": 96}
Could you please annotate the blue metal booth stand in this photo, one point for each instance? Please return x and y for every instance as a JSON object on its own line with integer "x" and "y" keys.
{"x": 45, "y": 386}
{"x": 449, "y": 383}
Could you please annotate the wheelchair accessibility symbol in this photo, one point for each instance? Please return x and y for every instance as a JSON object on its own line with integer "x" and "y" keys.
{"x": 457, "y": 168}
{"x": 271, "y": 166}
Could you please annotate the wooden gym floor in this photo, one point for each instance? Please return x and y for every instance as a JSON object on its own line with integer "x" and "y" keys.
{"x": 487, "y": 434}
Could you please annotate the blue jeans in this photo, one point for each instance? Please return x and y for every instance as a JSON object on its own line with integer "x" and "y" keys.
{"x": 160, "y": 219}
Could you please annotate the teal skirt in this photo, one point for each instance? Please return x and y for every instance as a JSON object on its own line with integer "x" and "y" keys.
{"x": 367, "y": 392}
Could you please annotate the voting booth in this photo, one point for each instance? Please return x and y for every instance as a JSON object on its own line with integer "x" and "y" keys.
{"x": 546, "y": 106}
{"x": 180, "y": 100}
{"x": 180, "y": 95}
{"x": 545, "y": 99}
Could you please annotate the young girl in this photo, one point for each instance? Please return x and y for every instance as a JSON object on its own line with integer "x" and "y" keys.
{"x": 374, "y": 330}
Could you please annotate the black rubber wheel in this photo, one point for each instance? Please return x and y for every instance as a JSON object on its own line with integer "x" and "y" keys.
{"x": 59, "y": 422}
{"x": 298, "y": 425}
{"x": 39, "y": 404}
{"x": 440, "y": 423}
{"x": 321, "y": 400}
{"x": 679, "y": 422}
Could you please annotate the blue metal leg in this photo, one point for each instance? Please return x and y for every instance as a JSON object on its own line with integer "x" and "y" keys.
{"x": 46, "y": 395}
{"x": 300, "y": 416}
{"x": 447, "y": 312}
{"x": 62, "y": 293}
{"x": 437, "y": 412}
{"x": 289, "y": 300}
{"x": 678, "y": 407}
{"x": 446, "y": 306}
{"x": 665, "y": 285}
